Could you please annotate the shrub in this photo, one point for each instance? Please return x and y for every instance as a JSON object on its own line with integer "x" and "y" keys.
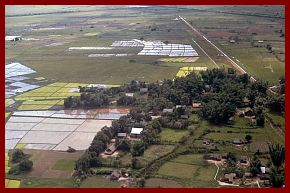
{"x": 70, "y": 149}
{"x": 25, "y": 165}
{"x": 17, "y": 155}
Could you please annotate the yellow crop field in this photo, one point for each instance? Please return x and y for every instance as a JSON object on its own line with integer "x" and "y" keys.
{"x": 57, "y": 90}
{"x": 7, "y": 114}
{"x": 20, "y": 146}
{"x": 7, "y": 168}
{"x": 186, "y": 70}
{"x": 12, "y": 183}
{"x": 46, "y": 102}
{"x": 47, "y": 96}
{"x": 180, "y": 59}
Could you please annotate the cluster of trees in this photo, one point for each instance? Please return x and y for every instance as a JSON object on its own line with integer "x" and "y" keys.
{"x": 220, "y": 92}
{"x": 232, "y": 166}
{"x": 91, "y": 157}
{"x": 181, "y": 91}
{"x": 20, "y": 161}
{"x": 255, "y": 164}
{"x": 87, "y": 100}
{"x": 276, "y": 103}
{"x": 126, "y": 100}
{"x": 226, "y": 91}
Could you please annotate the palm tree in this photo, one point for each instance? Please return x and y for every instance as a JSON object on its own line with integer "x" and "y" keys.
{"x": 277, "y": 178}
{"x": 277, "y": 154}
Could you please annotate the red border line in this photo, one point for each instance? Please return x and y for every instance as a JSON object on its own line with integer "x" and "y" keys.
{"x": 145, "y": 2}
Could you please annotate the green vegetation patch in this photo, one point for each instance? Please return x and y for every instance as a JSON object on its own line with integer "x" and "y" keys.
{"x": 46, "y": 183}
{"x": 12, "y": 183}
{"x": 64, "y": 165}
{"x": 172, "y": 135}
{"x": 161, "y": 183}
{"x": 154, "y": 152}
{"x": 178, "y": 170}
{"x": 99, "y": 182}
{"x": 193, "y": 159}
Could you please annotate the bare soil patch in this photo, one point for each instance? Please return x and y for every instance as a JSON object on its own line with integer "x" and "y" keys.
{"x": 43, "y": 162}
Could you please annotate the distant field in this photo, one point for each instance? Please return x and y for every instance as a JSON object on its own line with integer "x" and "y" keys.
{"x": 246, "y": 30}
{"x": 48, "y": 47}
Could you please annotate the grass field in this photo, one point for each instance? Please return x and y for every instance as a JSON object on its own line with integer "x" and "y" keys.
{"x": 161, "y": 183}
{"x": 190, "y": 171}
{"x": 46, "y": 183}
{"x": 178, "y": 170}
{"x": 99, "y": 182}
{"x": 155, "y": 151}
{"x": 172, "y": 135}
{"x": 277, "y": 118}
{"x": 64, "y": 164}
{"x": 195, "y": 159}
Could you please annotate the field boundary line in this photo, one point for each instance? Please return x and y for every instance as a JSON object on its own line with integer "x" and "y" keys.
{"x": 217, "y": 171}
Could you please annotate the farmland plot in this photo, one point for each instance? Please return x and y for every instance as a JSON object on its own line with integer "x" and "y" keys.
{"x": 19, "y": 126}
{"x": 11, "y": 134}
{"x": 13, "y": 80}
{"x": 51, "y": 133}
{"x": 93, "y": 125}
{"x": 11, "y": 143}
{"x": 25, "y": 119}
{"x": 48, "y": 137}
{"x": 54, "y": 127}
{"x": 77, "y": 140}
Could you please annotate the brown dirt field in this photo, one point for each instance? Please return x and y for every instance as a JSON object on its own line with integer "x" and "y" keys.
{"x": 163, "y": 183}
{"x": 259, "y": 29}
{"x": 43, "y": 162}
